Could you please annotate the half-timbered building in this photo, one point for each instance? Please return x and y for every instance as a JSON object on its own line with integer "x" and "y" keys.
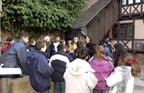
{"x": 121, "y": 20}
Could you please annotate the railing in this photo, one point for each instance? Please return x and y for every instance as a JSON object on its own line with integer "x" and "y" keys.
{"x": 10, "y": 71}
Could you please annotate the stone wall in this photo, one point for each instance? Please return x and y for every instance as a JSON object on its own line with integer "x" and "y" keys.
{"x": 18, "y": 85}
{"x": 36, "y": 35}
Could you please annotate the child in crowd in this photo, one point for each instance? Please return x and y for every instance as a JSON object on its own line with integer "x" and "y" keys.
{"x": 103, "y": 68}
{"x": 38, "y": 70}
{"x": 122, "y": 79}
{"x": 79, "y": 76}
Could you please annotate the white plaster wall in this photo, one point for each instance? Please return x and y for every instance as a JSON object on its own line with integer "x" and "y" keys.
{"x": 139, "y": 29}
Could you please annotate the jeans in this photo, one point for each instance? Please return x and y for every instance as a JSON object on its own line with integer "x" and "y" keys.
{"x": 44, "y": 92}
{"x": 59, "y": 87}
{"x": 101, "y": 91}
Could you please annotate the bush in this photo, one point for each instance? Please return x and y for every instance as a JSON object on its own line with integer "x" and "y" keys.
{"x": 42, "y": 14}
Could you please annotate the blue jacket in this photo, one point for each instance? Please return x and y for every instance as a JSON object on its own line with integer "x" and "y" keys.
{"x": 15, "y": 57}
{"x": 39, "y": 72}
{"x": 107, "y": 52}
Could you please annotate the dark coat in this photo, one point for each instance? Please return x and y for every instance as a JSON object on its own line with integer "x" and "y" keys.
{"x": 59, "y": 61}
{"x": 15, "y": 57}
{"x": 39, "y": 72}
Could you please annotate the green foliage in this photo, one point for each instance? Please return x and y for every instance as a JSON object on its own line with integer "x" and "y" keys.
{"x": 42, "y": 14}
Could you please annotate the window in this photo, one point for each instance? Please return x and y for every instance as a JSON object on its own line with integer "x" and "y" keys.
{"x": 137, "y": 1}
{"x": 124, "y": 2}
{"x": 130, "y": 1}
{"x": 125, "y": 31}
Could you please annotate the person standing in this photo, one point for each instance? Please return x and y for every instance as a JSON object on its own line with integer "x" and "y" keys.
{"x": 74, "y": 43}
{"x": 69, "y": 46}
{"x": 79, "y": 76}
{"x": 103, "y": 68}
{"x": 89, "y": 45}
{"x": 119, "y": 50}
{"x": 38, "y": 70}
{"x": 58, "y": 62}
{"x": 49, "y": 50}
{"x": 56, "y": 43}
{"x": 107, "y": 51}
{"x": 122, "y": 79}
{"x": 16, "y": 56}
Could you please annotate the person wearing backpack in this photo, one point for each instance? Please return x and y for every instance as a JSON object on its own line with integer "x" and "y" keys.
{"x": 38, "y": 69}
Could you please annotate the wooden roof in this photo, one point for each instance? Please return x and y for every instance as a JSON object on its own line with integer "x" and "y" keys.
{"x": 89, "y": 14}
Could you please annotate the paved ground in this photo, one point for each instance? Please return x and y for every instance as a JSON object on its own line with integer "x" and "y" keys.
{"x": 139, "y": 82}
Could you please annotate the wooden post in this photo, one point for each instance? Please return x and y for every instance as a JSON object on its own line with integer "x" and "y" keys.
{"x": 0, "y": 20}
{"x": 0, "y": 5}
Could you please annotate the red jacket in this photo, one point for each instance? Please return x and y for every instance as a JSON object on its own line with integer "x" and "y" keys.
{"x": 5, "y": 47}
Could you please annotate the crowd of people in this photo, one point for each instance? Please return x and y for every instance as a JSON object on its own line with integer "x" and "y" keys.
{"x": 74, "y": 66}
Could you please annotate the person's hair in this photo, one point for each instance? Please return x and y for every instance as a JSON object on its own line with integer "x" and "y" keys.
{"x": 74, "y": 38}
{"x": 9, "y": 39}
{"x": 99, "y": 50}
{"x": 120, "y": 50}
{"x": 39, "y": 44}
{"x": 80, "y": 44}
{"x": 82, "y": 53}
{"x": 47, "y": 38}
{"x": 135, "y": 69}
{"x": 125, "y": 61}
{"x": 90, "y": 39}
{"x": 22, "y": 34}
{"x": 32, "y": 42}
{"x": 60, "y": 47}
{"x": 93, "y": 49}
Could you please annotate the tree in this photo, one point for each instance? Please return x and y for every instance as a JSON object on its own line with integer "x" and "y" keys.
{"x": 40, "y": 14}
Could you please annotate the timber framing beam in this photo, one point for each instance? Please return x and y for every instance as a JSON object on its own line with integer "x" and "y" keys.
{"x": 131, "y": 9}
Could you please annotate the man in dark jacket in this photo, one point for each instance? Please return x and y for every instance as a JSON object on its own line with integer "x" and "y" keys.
{"x": 59, "y": 61}
{"x": 38, "y": 70}
{"x": 15, "y": 56}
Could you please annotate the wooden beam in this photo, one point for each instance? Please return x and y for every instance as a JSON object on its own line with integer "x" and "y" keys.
{"x": 131, "y": 11}
{"x": 133, "y": 33}
{"x": 0, "y": 5}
